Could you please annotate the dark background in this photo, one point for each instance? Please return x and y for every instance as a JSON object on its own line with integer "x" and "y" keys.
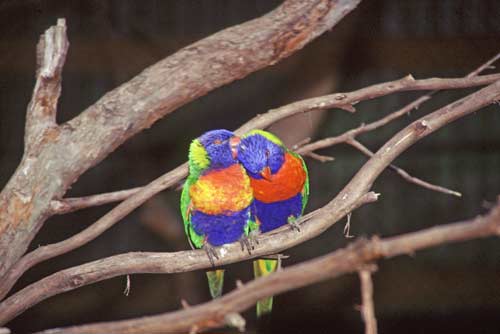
{"x": 453, "y": 288}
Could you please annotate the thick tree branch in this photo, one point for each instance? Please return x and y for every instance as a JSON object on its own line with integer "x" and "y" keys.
{"x": 353, "y": 258}
{"x": 49, "y": 251}
{"x": 354, "y": 194}
{"x": 65, "y": 152}
{"x": 32, "y": 186}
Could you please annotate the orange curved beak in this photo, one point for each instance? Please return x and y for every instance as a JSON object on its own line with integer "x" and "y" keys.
{"x": 266, "y": 173}
{"x": 234, "y": 142}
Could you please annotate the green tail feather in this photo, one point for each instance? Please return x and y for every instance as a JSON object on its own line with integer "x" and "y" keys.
{"x": 215, "y": 282}
{"x": 262, "y": 268}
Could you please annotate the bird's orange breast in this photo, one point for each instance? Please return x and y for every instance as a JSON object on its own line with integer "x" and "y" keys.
{"x": 286, "y": 183}
{"x": 221, "y": 191}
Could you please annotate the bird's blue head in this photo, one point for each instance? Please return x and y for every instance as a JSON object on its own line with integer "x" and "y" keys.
{"x": 214, "y": 149}
{"x": 261, "y": 153}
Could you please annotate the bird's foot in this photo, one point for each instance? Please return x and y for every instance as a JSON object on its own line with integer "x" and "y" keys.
{"x": 211, "y": 253}
{"x": 292, "y": 221}
{"x": 245, "y": 242}
{"x": 253, "y": 236}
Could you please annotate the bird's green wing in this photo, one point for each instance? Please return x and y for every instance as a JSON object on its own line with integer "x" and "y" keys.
{"x": 305, "y": 188}
{"x": 195, "y": 239}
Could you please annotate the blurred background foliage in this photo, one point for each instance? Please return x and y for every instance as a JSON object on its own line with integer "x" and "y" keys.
{"x": 453, "y": 288}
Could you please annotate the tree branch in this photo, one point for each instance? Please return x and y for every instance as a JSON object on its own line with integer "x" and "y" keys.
{"x": 363, "y": 128}
{"x": 354, "y": 194}
{"x": 66, "y": 151}
{"x": 140, "y": 195}
{"x": 71, "y": 204}
{"x": 50, "y": 55}
{"x": 353, "y": 258}
{"x": 318, "y": 103}
{"x": 485, "y": 66}
{"x": 367, "y": 307}
{"x": 349, "y": 136}
{"x": 404, "y": 174}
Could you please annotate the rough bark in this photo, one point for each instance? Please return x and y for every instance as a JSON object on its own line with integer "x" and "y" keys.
{"x": 55, "y": 157}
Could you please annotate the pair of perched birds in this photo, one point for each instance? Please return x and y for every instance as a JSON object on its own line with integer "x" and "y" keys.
{"x": 237, "y": 188}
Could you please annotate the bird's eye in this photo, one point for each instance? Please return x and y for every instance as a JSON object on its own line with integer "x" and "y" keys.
{"x": 217, "y": 142}
{"x": 267, "y": 153}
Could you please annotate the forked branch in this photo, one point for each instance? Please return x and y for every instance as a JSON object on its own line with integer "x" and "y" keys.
{"x": 135, "y": 197}
{"x": 350, "y": 259}
{"x": 65, "y": 152}
{"x": 355, "y": 193}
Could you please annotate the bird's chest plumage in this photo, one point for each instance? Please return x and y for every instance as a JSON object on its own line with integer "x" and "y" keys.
{"x": 286, "y": 183}
{"x": 222, "y": 191}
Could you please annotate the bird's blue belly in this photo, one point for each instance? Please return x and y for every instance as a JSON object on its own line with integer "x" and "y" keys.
{"x": 221, "y": 229}
{"x": 274, "y": 215}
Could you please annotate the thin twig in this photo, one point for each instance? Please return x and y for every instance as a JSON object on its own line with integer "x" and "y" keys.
{"x": 360, "y": 253}
{"x": 347, "y": 227}
{"x": 484, "y": 66}
{"x": 405, "y": 175}
{"x": 355, "y": 193}
{"x": 126, "y": 291}
{"x": 320, "y": 157}
{"x": 67, "y": 205}
{"x": 367, "y": 306}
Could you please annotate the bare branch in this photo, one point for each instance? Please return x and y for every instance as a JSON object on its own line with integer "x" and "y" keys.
{"x": 353, "y": 258}
{"x": 339, "y": 100}
{"x": 320, "y": 157}
{"x": 367, "y": 306}
{"x": 354, "y": 194}
{"x": 51, "y": 54}
{"x": 403, "y": 173}
{"x": 319, "y": 103}
{"x": 67, "y": 205}
{"x": 67, "y": 151}
{"x": 49, "y": 251}
{"x": 349, "y": 136}
{"x": 484, "y": 66}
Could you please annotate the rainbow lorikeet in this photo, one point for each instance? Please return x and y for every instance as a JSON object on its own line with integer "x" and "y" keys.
{"x": 280, "y": 184}
{"x": 216, "y": 198}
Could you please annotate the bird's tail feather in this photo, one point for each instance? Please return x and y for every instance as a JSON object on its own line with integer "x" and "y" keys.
{"x": 215, "y": 282}
{"x": 264, "y": 267}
